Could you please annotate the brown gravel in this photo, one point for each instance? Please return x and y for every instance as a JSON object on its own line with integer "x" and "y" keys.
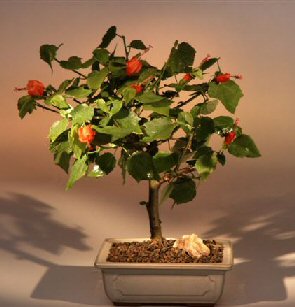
{"x": 157, "y": 252}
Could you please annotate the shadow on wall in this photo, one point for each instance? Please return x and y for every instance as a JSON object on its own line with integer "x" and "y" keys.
{"x": 28, "y": 222}
{"x": 265, "y": 233}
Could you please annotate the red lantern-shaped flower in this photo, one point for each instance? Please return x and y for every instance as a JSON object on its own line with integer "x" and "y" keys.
{"x": 134, "y": 66}
{"x": 230, "y": 137}
{"x": 223, "y": 78}
{"x": 35, "y": 88}
{"x": 187, "y": 77}
{"x": 86, "y": 134}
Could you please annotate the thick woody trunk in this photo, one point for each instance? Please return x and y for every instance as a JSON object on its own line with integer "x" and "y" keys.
{"x": 153, "y": 210}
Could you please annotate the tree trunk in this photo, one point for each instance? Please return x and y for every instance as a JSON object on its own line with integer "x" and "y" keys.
{"x": 153, "y": 210}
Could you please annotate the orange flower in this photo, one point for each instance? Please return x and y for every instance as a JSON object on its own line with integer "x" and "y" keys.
{"x": 137, "y": 87}
{"x": 86, "y": 134}
{"x": 134, "y": 66}
{"x": 187, "y": 77}
{"x": 35, "y": 88}
{"x": 223, "y": 78}
{"x": 230, "y": 137}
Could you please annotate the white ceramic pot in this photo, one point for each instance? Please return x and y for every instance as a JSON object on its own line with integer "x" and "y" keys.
{"x": 199, "y": 284}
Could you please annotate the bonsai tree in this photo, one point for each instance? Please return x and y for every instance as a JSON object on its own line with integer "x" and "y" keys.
{"x": 155, "y": 123}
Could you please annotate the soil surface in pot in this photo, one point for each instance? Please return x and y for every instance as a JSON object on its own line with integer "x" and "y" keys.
{"x": 161, "y": 252}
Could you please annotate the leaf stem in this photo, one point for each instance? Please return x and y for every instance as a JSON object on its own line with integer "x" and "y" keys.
{"x": 125, "y": 46}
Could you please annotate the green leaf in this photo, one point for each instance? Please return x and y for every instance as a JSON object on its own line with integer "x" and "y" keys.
{"x": 101, "y": 55}
{"x": 96, "y": 78}
{"x": 137, "y": 44}
{"x": 102, "y": 105}
{"x": 155, "y": 103}
{"x": 78, "y": 170}
{"x": 206, "y": 164}
{"x": 63, "y": 86}
{"x": 58, "y": 101}
{"x": 108, "y": 37}
{"x": 73, "y": 62}
{"x": 223, "y": 122}
{"x": 140, "y": 166}
{"x": 205, "y": 127}
{"x": 26, "y": 104}
{"x": 158, "y": 129}
{"x": 129, "y": 94}
{"x": 79, "y": 92}
{"x": 183, "y": 190}
{"x": 204, "y": 108}
{"x": 148, "y": 72}
{"x": 181, "y": 58}
{"x": 82, "y": 113}
{"x": 88, "y": 63}
{"x": 185, "y": 120}
{"x": 164, "y": 161}
{"x": 162, "y": 107}
{"x": 150, "y": 97}
{"x": 62, "y": 151}
{"x": 131, "y": 122}
{"x": 207, "y": 64}
{"x": 116, "y": 106}
{"x": 244, "y": 146}
{"x": 106, "y": 162}
{"x": 229, "y": 93}
{"x": 58, "y": 128}
{"x": 48, "y": 53}
{"x": 77, "y": 147}
{"x": 125, "y": 125}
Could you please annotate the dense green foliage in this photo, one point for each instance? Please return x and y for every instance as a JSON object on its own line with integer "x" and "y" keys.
{"x": 160, "y": 131}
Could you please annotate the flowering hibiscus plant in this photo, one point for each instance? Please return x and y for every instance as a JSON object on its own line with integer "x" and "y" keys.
{"x": 155, "y": 123}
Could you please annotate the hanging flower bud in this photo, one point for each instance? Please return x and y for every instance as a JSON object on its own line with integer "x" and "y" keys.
{"x": 86, "y": 134}
{"x": 35, "y": 88}
{"x": 134, "y": 66}
{"x": 187, "y": 77}
{"x": 137, "y": 87}
{"x": 223, "y": 78}
{"x": 230, "y": 137}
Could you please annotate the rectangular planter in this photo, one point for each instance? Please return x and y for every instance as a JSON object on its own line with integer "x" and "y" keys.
{"x": 199, "y": 284}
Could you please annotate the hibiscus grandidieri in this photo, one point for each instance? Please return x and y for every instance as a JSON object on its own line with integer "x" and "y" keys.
{"x": 223, "y": 78}
{"x": 230, "y": 137}
{"x": 134, "y": 66}
{"x": 35, "y": 88}
{"x": 86, "y": 134}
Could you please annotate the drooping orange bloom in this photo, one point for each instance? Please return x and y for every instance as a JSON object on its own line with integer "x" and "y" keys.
{"x": 86, "y": 134}
{"x": 134, "y": 66}
{"x": 187, "y": 77}
{"x": 230, "y": 137}
{"x": 223, "y": 78}
{"x": 35, "y": 88}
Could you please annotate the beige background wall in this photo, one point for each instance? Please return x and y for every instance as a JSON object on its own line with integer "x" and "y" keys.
{"x": 48, "y": 235}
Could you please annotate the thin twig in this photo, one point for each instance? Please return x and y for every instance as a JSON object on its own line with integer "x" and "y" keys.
{"x": 46, "y": 108}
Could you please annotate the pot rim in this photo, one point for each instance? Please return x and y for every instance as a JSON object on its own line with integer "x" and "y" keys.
{"x": 101, "y": 262}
